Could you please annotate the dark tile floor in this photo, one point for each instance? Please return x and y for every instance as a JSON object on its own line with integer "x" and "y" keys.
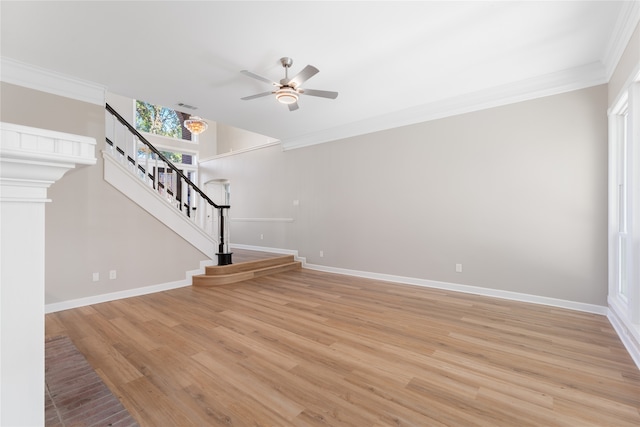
{"x": 75, "y": 394}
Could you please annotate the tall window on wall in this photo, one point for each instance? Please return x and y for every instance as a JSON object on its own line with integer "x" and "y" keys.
{"x": 166, "y": 122}
{"x": 163, "y": 121}
{"x": 624, "y": 206}
{"x": 622, "y": 150}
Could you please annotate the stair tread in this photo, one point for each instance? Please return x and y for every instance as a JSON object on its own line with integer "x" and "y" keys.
{"x": 220, "y": 270}
{"x": 239, "y": 276}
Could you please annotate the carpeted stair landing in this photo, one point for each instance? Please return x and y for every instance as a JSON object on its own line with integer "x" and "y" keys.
{"x": 75, "y": 395}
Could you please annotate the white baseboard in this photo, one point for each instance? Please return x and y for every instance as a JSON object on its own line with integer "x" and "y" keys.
{"x": 616, "y": 321}
{"x": 628, "y": 333}
{"x": 515, "y": 296}
{"x": 630, "y": 342}
{"x": 476, "y": 290}
{"x": 112, "y": 296}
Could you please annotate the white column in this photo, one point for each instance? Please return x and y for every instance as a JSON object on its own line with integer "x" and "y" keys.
{"x": 30, "y": 161}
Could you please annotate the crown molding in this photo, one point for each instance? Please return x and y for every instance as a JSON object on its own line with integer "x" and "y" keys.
{"x": 32, "y": 77}
{"x": 626, "y": 24}
{"x": 551, "y": 84}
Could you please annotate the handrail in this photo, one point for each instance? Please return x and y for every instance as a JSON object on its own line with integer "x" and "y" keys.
{"x": 162, "y": 157}
{"x": 224, "y": 256}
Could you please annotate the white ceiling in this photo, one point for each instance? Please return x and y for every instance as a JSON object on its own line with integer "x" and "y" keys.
{"x": 392, "y": 62}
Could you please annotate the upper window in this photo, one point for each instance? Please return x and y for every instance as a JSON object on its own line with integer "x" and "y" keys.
{"x": 159, "y": 120}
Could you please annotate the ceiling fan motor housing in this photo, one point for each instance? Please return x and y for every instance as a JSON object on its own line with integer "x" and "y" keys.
{"x": 286, "y": 62}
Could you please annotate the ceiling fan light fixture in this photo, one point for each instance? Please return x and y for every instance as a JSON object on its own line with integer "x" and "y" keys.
{"x": 287, "y": 95}
{"x": 196, "y": 125}
{"x": 289, "y": 90}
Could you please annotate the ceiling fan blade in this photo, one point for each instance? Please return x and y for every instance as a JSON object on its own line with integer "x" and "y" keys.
{"x": 293, "y": 107}
{"x": 320, "y": 93}
{"x": 257, "y": 77}
{"x": 304, "y": 75}
{"x": 259, "y": 95}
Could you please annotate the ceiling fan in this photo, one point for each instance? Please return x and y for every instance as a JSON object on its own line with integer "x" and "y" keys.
{"x": 289, "y": 90}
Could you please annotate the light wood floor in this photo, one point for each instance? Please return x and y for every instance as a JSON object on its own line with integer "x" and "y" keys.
{"x": 306, "y": 348}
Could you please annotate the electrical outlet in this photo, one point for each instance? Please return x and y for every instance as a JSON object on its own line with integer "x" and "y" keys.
{"x": 112, "y": 274}
{"x": 96, "y": 277}
{"x": 262, "y": 237}
{"x": 458, "y": 268}
{"x": 321, "y": 254}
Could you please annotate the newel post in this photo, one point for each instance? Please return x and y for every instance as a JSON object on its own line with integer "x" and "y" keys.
{"x": 224, "y": 256}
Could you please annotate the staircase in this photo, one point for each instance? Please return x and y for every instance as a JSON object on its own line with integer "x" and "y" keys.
{"x": 133, "y": 165}
{"x": 185, "y": 211}
{"x": 232, "y": 273}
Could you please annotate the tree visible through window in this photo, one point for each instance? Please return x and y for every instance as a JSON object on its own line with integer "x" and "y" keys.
{"x": 160, "y": 120}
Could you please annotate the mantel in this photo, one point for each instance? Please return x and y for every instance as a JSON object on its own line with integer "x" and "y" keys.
{"x": 32, "y": 159}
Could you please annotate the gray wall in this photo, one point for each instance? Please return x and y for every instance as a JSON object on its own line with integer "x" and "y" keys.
{"x": 90, "y": 226}
{"x": 627, "y": 64}
{"x": 517, "y": 194}
{"x": 231, "y": 139}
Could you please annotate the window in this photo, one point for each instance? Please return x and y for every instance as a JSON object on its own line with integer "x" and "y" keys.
{"x": 159, "y": 120}
{"x": 622, "y": 151}
{"x": 624, "y": 207}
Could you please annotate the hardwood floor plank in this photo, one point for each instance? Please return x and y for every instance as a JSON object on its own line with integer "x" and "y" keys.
{"x": 250, "y": 386}
{"x": 154, "y": 406}
{"x": 306, "y": 348}
{"x": 333, "y": 408}
{"x": 109, "y": 359}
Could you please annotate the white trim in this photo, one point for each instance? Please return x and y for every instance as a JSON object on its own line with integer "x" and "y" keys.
{"x": 20, "y": 200}
{"x": 270, "y": 250}
{"x": 169, "y": 139}
{"x": 626, "y": 24}
{"x": 173, "y": 149}
{"x": 476, "y": 290}
{"x": 30, "y": 161}
{"x": 262, "y": 220}
{"x": 633, "y": 204}
{"x": 132, "y": 187}
{"x": 113, "y": 296}
{"x": 552, "y": 84}
{"x": 628, "y": 333}
{"x": 32, "y": 77}
{"x": 20, "y": 142}
{"x": 611, "y": 314}
{"x": 622, "y": 96}
{"x": 242, "y": 151}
